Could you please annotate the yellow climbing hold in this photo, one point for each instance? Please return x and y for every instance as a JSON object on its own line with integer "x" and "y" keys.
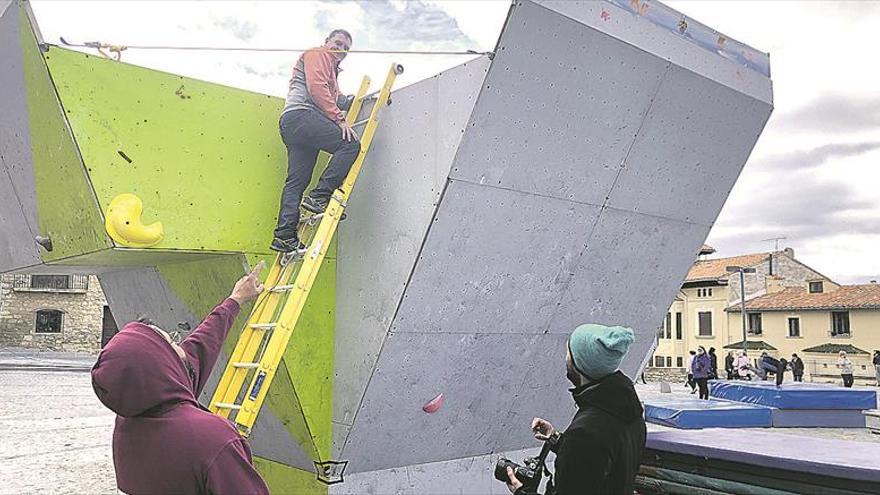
{"x": 124, "y": 223}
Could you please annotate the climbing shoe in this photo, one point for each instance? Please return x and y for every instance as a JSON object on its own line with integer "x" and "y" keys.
{"x": 286, "y": 245}
{"x": 318, "y": 205}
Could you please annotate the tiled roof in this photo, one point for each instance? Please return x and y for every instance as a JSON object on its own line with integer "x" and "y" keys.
{"x": 717, "y": 268}
{"x": 751, "y": 345}
{"x": 865, "y": 296}
{"x": 836, "y": 348}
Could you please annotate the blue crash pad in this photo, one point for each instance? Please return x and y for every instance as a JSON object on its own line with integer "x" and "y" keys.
{"x": 687, "y": 413}
{"x": 794, "y": 395}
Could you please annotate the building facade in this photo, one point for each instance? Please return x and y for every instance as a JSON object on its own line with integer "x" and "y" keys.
{"x": 790, "y": 308}
{"x": 54, "y": 313}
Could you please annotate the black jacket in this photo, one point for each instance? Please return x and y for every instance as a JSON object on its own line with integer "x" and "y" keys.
{"x": 728, "y": 363}
{"x": 797, "y": 366}
{"x": 601, "y": 450}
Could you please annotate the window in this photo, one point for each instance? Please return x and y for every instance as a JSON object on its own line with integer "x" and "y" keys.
{"x": 755, "y": 323}
{"x": 816, "y": 287}
{"x": 794, "y": 327}
{"x": 839, "y": 323}
{"x": 669, "y": 361}
{"x": 48, "y": 321}
{"x": 678, "y": 326}
{"x": 705, "y": 318}
{"x": 679, "y": 362}
{"x": 710, "y": 291}
{"x": 57, "y": 282}
{"x": 658, "y": 361}
{"x": 668, "y": 325}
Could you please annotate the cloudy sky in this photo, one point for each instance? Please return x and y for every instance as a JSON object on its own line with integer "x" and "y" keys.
{"x": 814, "y": 176}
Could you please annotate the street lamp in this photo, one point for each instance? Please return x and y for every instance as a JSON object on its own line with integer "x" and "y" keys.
{"x": 742, "y": 296}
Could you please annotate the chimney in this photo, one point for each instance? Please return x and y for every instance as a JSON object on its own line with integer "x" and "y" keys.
{"x": 773, "y": 284}
{"x": 789, "y": 251}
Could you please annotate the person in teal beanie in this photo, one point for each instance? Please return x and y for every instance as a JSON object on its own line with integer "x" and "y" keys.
{"x": 601, "y": 449}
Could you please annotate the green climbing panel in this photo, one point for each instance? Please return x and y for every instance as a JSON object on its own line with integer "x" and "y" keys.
{"x": 67, "y": 210}
{"x": 205, "y": 159}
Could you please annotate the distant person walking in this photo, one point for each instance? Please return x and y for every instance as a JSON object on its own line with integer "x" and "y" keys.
{"x": 728, "y": 365}
{"x": 797, "y": 368}
{"x": 700, "y": 369}
{"x": 876, "y": 362}
{"x": 742, "y": 366}
{"x": 846, "y": 369}
{"x": 713, "y": 367}
{"x": 690, "y": 374}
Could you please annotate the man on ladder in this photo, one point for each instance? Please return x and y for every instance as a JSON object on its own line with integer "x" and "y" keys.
{"x": 312, "y": 120}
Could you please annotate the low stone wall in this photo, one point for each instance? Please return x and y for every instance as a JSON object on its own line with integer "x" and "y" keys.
{"x": 670, "y": 375}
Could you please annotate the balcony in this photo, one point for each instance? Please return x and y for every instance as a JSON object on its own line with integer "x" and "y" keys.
{"x": 70, "y": 284}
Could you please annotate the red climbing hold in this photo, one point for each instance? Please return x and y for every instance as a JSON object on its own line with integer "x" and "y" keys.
{"x": 434, "y": 405}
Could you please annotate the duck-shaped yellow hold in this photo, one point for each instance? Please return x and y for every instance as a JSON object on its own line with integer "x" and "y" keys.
{"x": 124, "y": 223}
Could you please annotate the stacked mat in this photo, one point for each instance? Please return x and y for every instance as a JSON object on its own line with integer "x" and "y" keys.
{"x": 801, "y": 404}
{"x": 718, "y": 461}
{"x": 690, "y": 412}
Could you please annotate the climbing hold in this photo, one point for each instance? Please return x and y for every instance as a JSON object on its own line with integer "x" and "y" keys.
{"x": 434, "y": 405}
{"x": 44, "y": 241}
{"x": 124, "y": 223}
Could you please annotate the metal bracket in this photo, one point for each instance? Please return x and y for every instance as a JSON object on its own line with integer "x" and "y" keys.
{"x": 330, "y": 472}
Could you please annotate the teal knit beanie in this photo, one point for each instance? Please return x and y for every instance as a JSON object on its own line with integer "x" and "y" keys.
{"x": 597, "y": 350}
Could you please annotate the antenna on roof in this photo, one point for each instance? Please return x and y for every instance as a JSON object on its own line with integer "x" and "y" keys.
{"x": 775, "y": 241}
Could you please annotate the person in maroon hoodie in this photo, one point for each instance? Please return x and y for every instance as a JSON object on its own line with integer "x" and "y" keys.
{"x": 164, "y": 440}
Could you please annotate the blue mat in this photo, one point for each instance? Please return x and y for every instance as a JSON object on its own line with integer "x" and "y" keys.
{"x": 794, "y": 395}
{"x": 687, "y": 413}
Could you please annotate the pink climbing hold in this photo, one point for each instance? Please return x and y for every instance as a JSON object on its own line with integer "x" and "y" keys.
{"x": 434, "y": 405}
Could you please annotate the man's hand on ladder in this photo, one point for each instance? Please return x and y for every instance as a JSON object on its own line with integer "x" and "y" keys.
{"x": 248, "y": 287}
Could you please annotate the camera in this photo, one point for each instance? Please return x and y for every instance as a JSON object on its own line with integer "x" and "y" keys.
{"x": 531, "y": 470}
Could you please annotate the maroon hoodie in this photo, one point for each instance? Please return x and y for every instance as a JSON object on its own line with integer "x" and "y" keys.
{"x": 164, "y": 441}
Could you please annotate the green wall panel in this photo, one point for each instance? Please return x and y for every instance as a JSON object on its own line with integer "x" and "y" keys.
{"x": 206, "y": 160}
{"x": 309, "y": 357}
{"x": 286, "y": 480}
{"x": 66, "y": 207}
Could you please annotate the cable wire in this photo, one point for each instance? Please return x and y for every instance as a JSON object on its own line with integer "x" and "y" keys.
{"x": 119, "y": 48}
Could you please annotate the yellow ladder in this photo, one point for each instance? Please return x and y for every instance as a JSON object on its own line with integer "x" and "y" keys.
{"x": 277, "y": 310}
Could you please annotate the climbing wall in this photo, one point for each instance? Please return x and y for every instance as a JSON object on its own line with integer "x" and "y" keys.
{"x": 569, "y": 200}
{"x": 504, "y": 202}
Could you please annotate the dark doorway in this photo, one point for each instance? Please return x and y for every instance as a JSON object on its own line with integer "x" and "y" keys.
{"x": 108, "y": 327}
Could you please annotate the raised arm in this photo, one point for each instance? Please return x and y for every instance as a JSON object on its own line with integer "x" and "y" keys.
{"x": 203, "y": 345}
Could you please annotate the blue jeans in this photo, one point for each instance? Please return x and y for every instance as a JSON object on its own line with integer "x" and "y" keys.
{"x": 305, "y": 133}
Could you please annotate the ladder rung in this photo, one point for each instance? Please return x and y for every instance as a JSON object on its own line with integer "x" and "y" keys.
{"x": 263, "y": 326}
{"x": 245, "y": 365}
{"x": 280, "y": 288}
{"x": 311, "y": 218}
{"x": 226, "y": 405}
